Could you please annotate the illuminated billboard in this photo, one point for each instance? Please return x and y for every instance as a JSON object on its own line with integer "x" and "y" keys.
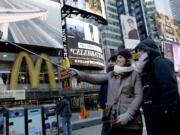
{"x": 84, "y": 44}
{"x": 168, "y": 51}
{"x": 32, "y": 22}
{"x": 168, "y": 28}
{"x": 96, "y": 7}
{"x": 130, "y": 31}
{"x": 176, "y": 53}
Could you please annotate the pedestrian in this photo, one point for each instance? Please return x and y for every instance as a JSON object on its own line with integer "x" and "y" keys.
{"x": 124, "y": 94}
{"x": 102, "y": 99}
{"x": 65, "y": 110}
{"x": 161, "y": 97}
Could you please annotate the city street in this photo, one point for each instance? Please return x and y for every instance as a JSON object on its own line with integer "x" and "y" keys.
{"x": 93, "y": 130}
{"x": 90, "y": 129}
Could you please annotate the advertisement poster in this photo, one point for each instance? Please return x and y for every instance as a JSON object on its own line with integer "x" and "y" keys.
{"x": 93, "y": 6}
{"x": 35, "y": 121}
{"x": 176, "y": 52}
{"x": 130, "y": 31}
{"x": 16, "y": 122}
{"x": 31, "y": 22}
{"x": 84, "y": 44}
{"x": 168, "y": 51}
{"x": 167, "y": 27}
{"x": 51, "y": 123}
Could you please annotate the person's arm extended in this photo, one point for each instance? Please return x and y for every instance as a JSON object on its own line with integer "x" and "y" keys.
{"x": 91, "y": 78}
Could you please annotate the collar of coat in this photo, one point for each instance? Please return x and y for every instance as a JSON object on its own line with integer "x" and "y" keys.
{"x": 122, "y": 71}
{"x": 119, "y": 70}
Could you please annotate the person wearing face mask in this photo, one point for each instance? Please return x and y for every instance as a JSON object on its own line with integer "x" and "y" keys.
{"x": 161, "y": 97}
{"x": 124, "y": 94}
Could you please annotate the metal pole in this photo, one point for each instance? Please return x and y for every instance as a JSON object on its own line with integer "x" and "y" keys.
{"x": 34, "y": 54}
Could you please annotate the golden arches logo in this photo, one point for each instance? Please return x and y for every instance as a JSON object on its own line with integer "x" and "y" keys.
{"x": 34, "y": 71}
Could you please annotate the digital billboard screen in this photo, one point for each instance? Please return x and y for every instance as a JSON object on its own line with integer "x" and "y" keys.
{"x": 32, "y": 22}
{"x": 130, "y": 31}
{"x": 93, "y": 6}
{"x": 168, "y": 27}
{"x": 168, "y": 51}
{"x": 84, "y": 44}
{"x": 176, "y": 53}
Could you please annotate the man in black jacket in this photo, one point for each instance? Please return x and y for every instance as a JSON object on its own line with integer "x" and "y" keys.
{"x": 65, "y": 109}
{"x": 161, "y": 97}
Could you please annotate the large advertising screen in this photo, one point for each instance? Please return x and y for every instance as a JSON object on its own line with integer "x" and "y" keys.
{"x": 168, "y": 27}
{"x": 93, "y": 6}
{"x": 50, "y": 120}
{"x": 168, "y": 51}
{"x": 34, "y": 121}
{"x": 130, "y": 31}
{"x": 84, "y": 44}
{"x": 176, "y": 53}
{"x": 33, "y": 22}
{"x": 17, "y": 122}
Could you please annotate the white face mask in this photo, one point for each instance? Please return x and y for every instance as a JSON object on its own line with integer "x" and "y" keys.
{"x": 140, "y": 64}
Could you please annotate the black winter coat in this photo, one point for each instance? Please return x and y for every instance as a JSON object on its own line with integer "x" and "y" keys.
{"x": 161, "y": 97}
{"x": 65, "y": 107}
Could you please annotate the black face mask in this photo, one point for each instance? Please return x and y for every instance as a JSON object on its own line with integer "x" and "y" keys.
{"x": 110, "y": 68}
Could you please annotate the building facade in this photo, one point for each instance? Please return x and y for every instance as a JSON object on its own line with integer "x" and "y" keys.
{"x": 149, "y": 8}
{"x": 111, "y": 33}
{"x": 134, "y": 8}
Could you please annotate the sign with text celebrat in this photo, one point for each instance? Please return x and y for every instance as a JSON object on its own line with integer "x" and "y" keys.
{"x": 84, "y": 44}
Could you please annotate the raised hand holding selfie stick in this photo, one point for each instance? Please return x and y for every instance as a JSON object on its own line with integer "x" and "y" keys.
{"x": 1, "y": 34}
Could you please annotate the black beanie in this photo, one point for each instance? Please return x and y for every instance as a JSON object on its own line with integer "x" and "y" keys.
{"x": 112, "y": 58}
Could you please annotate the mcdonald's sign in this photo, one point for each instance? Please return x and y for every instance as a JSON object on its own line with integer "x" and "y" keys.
{"x": 34, "y": 71}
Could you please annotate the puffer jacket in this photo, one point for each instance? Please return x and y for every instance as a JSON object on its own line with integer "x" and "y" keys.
{"x": 129, "y": 89}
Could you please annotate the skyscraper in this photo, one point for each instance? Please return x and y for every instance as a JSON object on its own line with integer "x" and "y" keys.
{"x": 163, "y": 6}
{"x": 111, "y": 34}
{"x": 175, "y": 9}
{"x": 150, "y": 17}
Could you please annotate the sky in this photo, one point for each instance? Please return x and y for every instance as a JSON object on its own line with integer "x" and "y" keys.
{"x": 163, "y": 6}
{"x": 48, "y": 3}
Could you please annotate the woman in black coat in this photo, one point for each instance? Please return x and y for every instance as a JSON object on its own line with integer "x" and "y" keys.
{"x": 161, "y": 95}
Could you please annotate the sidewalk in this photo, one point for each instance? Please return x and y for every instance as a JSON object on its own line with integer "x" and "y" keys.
{"x": 94, "y": 118}
{"x": 92, "y": 125}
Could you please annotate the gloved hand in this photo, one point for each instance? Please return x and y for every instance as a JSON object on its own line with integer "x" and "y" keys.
{"x": 72, "y": 71}
{"x": 124, "y": 118}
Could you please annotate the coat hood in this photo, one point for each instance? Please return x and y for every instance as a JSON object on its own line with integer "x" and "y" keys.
{"x": 149, "y": 46}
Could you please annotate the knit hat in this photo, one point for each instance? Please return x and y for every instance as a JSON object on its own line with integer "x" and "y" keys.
{"x": 112, "y": 58}
{"x": 125, "y": 53}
